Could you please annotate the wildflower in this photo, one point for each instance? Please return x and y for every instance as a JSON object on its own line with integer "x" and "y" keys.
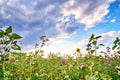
{"x": 60, "y": 64}
{"x": 7, "y": 49}
{"x": 78, "y": 50}
{"x": 89, "y": 45}
{"x": 82, "y": 65}
{"x": 36, "y": 45}
{"x": 13, "y": 42}
{"x": 63, "y": 61}
{"x": 108, "y": 50}
{"x": 2, "y": 41}
{"x": 42, "y": 37}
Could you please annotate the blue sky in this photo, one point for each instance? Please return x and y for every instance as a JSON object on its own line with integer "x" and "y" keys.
{"x": 67, "y": 23}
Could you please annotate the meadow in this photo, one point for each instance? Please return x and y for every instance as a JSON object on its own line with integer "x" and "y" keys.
{"x": 17, "y": 65}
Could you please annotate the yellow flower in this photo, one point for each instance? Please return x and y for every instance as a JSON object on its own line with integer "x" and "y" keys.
{"x": 78, "y": 50}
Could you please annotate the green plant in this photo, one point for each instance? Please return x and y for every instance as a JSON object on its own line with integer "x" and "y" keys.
{"x": 93, "y": 45}
{"x": 116, "y": 45}
{"x": 43, "y": 41}
{"x": 8, "y": 43}
{"x": 19, "y": 66}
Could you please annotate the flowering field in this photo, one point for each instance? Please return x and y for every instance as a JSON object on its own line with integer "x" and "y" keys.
{"x": 16, "y": 65}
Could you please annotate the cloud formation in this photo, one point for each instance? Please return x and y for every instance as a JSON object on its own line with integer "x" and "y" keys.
{"x": 88, "y": 12}
{"x": 45, "y": 14}
{"x": 113, "y": 20}
{"x": 58, "y": 19}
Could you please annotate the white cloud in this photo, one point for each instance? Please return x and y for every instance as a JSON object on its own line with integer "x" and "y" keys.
{"x": 65, "y": 47}
{"x": 2, "y": 2}
{"x": 109, "y": 37}
{"x": 86, "y": 12}
{"x": 3, "y": 28}
{"x": 113, "y": 20}
{"x": 45, "y": 14}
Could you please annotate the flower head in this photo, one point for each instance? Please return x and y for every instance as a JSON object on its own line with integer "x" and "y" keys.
{"x": 78, "y": 50}
{"x": 64, "y": 61}
{"x": 89, "y": 45}
{"x": 60, "y": 64}
{"x": 42, "y": 37}
{"x": 82, "y": 65}
{"x": 2, "y": 41}
{"x": 13, "y": 42}
{"x": 7, "y": 49}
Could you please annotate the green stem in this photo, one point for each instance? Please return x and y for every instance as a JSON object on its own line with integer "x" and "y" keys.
{"x": 4, "y": 66}
{"x": 95, "y": 50}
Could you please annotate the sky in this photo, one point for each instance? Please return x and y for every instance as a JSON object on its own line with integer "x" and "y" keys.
{"x": 67, "y": 23}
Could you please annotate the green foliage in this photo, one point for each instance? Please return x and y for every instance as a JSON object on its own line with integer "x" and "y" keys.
{"x": 16, "y": 47}
{"x": 9, "y": 39}
{"x": 14, "y": 36}
{"x": 1, "y": 33}
{"x": 31, "y": 66}
{"x": 93, "y": 45}
{"x": 43, "y": 42}
{"x": 116, "y": 45}
{"x": 8, "y": 43}
{"x": 8, "y": 30}
{"x": 21, "y": 66}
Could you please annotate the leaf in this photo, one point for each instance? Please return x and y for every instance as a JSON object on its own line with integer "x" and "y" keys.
{"x": 15, "y": 36}
{"x": 101, "y": 45}
{"x": 119, "y": 43}
{"x": 91, "y": 38}
{"x": 116, "y": 40}
{"x": 94, "y": 43}
{"x": 92, "y": 51}
{"x": 114, "y": 47}
{"x": 7, "y": 42}
{"x": 87, "y": 49}
{"x": 118, "y": 52}
{"x": 1, "y": 33}
{"x": 8, "y": 30}
{"x": 16, "y": 47}
{"x": 97, "y": 37}
{"x": 103, "y": 52}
